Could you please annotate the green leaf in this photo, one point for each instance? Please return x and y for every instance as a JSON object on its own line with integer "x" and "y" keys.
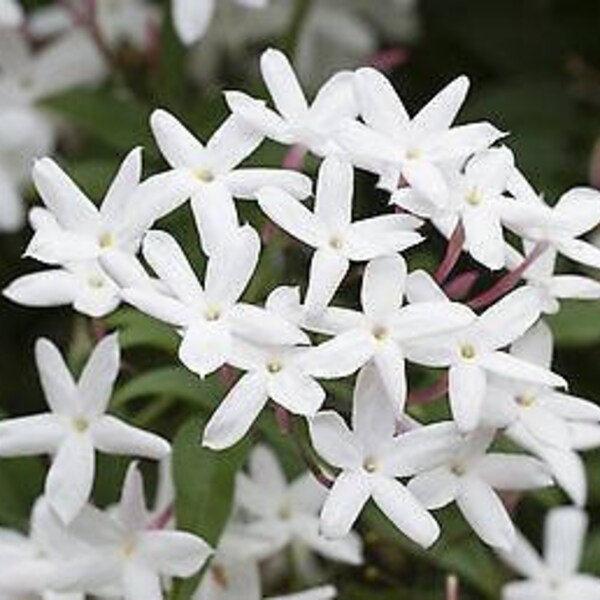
{"x": 21, "y": 482}
{"x": 204, "y": 484}
{"x": 172, "y": 382}
{"x": 577, "y": 323}
{"x": 136, "y": 329}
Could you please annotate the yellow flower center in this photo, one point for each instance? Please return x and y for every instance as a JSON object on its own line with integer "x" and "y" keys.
{"x": 525, "y": 400}
{"x": 467, "y": 351}
{"x": 80, "y": 424}
{"x": 459, "y": 469}
{"x": 204, "y": 175}
{"x": 380, "y": 333}
{"x": 370, "y": 465}
{"x": 336, "y": 242}
{"x": 96, "y": 282}
{"x": 212, "y": 314}
{"x": 106, "y": 240}
{"x": 474, "y": 197}
{"x": 274, "y": 367}
{"x": 413, "y": 153}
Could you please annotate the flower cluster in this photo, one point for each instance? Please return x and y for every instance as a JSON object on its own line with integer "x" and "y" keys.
{"x": 492, "y": 350}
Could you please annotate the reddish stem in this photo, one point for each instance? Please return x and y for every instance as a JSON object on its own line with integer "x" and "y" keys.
{"x": 284, "y": 419}
{"x": 430, "y": 394}
{"x": 453, "y": 252}
{"x": 461, "y": 286}
{"x": 161, "y": 520}
{"x": 452, "y": 587}
{"x": 387, "y": 60}
{"x": 294, "y": 158}
{"x": 509, "y": 281}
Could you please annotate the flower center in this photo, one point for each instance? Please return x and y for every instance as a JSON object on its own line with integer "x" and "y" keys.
{"x": 525, "y": 400}
{"x": 413, "y": 153}
{"x": 380, "y": 333}
{"x": 274, "y": 367}
{"x": 467, "y": 351}
{"x": 212, "y": 314}
{"x": 80, "y": 424}
{"x": 370, "y": 465}
{"x": 204, "y": 175}
{"x": 96, "y": 282}
{"x": 336, "y": 242}
{"x": 106, "y": 240}
{"x": 459, "y": 469}
{"x": 128, "y": 547}
{"x": 474, "y": 197}
{"x": 285, "y": 512}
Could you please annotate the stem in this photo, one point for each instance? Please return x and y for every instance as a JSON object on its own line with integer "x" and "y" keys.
{"x": 460, "y": 287}
{"x": 429, "y": 394}
{"x": 509, "y": 281}
{"x": 294, "y": 158}
{"x": 452, "y": 587}
{"x": 301, "y": 10}
{"x": 284, "y": 419}
{"x": 161, "y": 520}
{"x": 453, "y": 252}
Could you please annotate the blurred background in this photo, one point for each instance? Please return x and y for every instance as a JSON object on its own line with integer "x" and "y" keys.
{"x": 535, "y": 72}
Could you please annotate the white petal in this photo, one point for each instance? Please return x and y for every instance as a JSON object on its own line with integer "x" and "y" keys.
{"x": 99, "y": 375}
{"x": 509, "y": 366}
{"x": 579, "y": 210}
{"x": 157, "y": 305}
{"x": 404, "y": 510}
{"x": 29, "y": 436}
{"x": 265, "y": 470}
{"x": 421, "y": 287}
{"x": 12, "y": 211}
{"x": 233, "y": 141}
{"x": 192, "y": 20}
{"x": 141, "y": 582}
{"x": 236, "y": 413}
{"x": 327, "y": 271}
{"x": 283, "y": 84}
{"x": 205, "y": 347}
{"x": 581, "y": 252}
{"x": 335, "y": 100}
{"x": 231, "y": 266}
{"x": 535, "y": 346}
{"x": 72, "y": 209}
{"x": 486, "y": 514}
{"x": 380, "y": 105}
{"x": 524, "y": 559}
{"x": 462, "y": 141}
{"x": 427, "y": 180}
{"x": 391, "y": 367}
{"x": 524, "y": 590}
{"x": 467, "y": 385}
{"x": 434, "y": 489}
{"x": 245, "y": 183}
{"x": 439, "y": 113}
{"x": 114, "y": 436}
{"x": 298, "y": 393}
{"x": 291, "y": 215}
{"x": 383, "y": 285}
{"x": 333, "y": 440}
{"x": 56, "y": 379}
{"x": 564, "y": 536}
{"x": 344, "y": 503}
{"x": 513, "y": 472}
{"x": 215, "y": 216}
{"x": 132, "y": 512}
{"x": 509, "y": 318}
{"x": 483, "y": 235}
{"x": 168, "y": 261}
{"x": 71, "y": 476}
{"x": 574, "y": 286}
{"x": 570, "y": 407}
{"x": 122, "y": 187}
{"x": 174, "y": 553}
{"x": 335, "y": 190}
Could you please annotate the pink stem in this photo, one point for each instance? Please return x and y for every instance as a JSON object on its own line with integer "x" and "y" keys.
{"x": 294, "y": 158}
{"x": 509, "y": 281}
{"x": 284, "y": 419}
{"x": 387, "y": 60}
{"x": 460, "y": 287}
{"x": 427, "y": 395}
{"x": 453, "y": 252}
{"x": 161, "y": 520}
{"x": 452, "y": 587}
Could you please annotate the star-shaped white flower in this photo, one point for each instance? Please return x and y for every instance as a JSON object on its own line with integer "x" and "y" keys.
{"x": 551, "y": 287}
{"x": 576, "y": 212}
{"x": 549, "y": 423}
{"x": 393, "y": 145}
{"x": 212, "y": 174}
{"x": 126, "y": 556}
{"x": 555, "y": 577}
{"x": 192, "y": 18}
{"x": 330, "y": 230}
{"x": 383, "y": 330}
{"x": 11, "y": 13}
{"x": 475, "y": 197}
{"x": 210, "y": 317}
{"x": 288, "y": 513}
{"x": 474, "y": 353}
{"x": 76, "y": 426}
{"x": 295, "y": 121}
{"x": 371, "y": 458}
{"x": 470, "y": 477}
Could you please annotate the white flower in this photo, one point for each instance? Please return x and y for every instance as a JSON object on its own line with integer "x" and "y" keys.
{"x": 552, "y": 287}
{"x": 549, "y": 423}
{"x": 210, "y": 317}
{"x": 470, "y": 477}
{"x": 331, "y": 231}
{"x": 475, "y": 197}
{"x": 295, "y": 122}
{"x": 211, "y": 172}
{"x": 76, "y": 426}
{"x": 555, "y": 577}
{"x": 576, "y": 212}
{"x": 274, "y": 372}
{"x": 127, "y": 556}
{"x": 192, "y": 17}
{"x": 11, "y": 13}
{"x": 382, "y": 331}
{"x": 393, "y": 145}
{"x": 288, "y": 513}
{"x": 474, "y": 353}
{"x": 371, "y": 458}
{"x": 33, "y": 563}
